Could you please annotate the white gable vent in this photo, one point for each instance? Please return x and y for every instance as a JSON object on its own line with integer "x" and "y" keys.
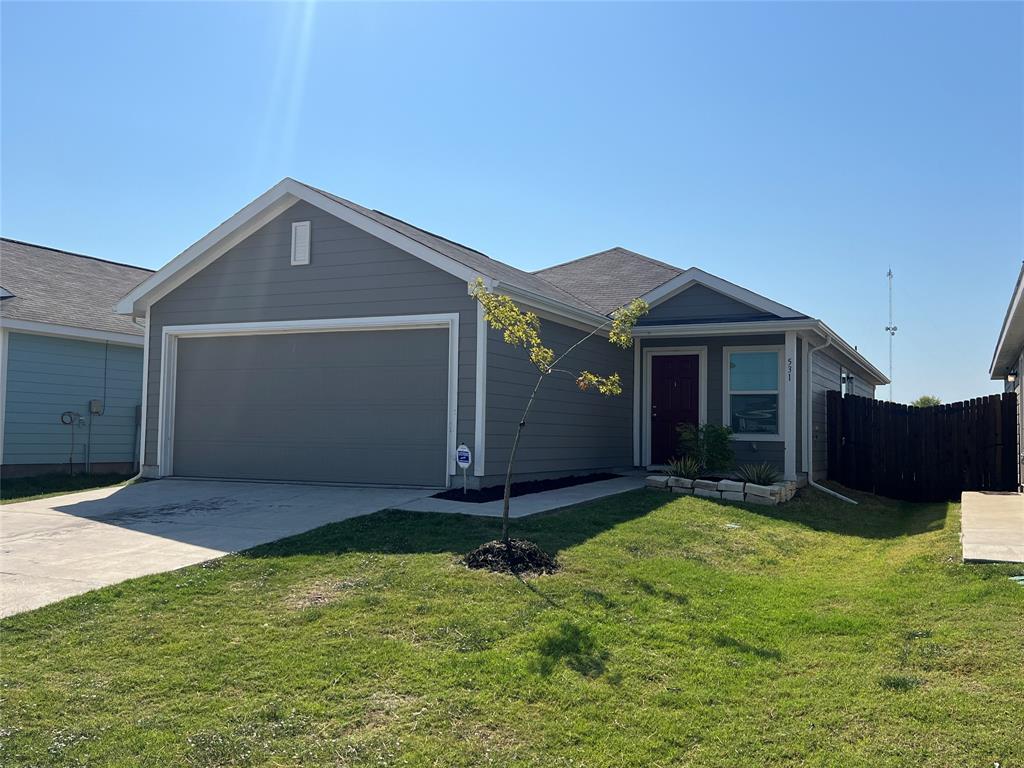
{"x": 300, "y": 242}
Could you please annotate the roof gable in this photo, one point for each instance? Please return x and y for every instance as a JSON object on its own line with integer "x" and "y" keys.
{"x": 693, "y": 276}
{"x": 699, "y": 303}
{"x": 447, "y": 255}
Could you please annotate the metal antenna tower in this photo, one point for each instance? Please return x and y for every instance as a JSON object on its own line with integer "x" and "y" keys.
{"x": 891, "y": 330}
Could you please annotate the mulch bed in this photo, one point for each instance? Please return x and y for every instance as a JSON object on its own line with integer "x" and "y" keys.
{"x": 496, "y": 492}
{"x": 516, "y": 556}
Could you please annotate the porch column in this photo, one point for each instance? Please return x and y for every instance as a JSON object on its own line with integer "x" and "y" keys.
{"x": 789, "y": 405}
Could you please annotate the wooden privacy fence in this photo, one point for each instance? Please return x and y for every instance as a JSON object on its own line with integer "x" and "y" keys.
{"x": 923, "y": 454}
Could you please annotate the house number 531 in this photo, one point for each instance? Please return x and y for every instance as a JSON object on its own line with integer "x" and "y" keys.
{"x": 789, "y": 369}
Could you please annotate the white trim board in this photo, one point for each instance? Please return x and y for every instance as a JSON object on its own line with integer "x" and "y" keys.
{"x": 702, "y": 375}
{"x": 70, "y": 332}
{"x": 789, "y": 407}
{"x": 480, "y": 404}
{"x": 780, "y": 350}
{"x": 143, "y": 416}
{"x": 637, "y": 404}
{"x": 172, "y": 333}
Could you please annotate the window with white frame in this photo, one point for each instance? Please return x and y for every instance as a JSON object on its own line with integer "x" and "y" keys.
{"x": 753, "y": 385}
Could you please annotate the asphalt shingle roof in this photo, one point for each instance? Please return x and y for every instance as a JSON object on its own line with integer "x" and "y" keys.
{"x": 609, "y": 279}
{"x": 54, "y": 286}
{"x": 469, "y": 257}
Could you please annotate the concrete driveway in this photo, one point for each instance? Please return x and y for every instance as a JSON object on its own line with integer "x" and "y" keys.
{"x": 65, "y": 545}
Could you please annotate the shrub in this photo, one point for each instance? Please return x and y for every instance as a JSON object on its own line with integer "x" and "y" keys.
{"x": 708, "y": 444}
{"x": 761, "y": 474}
{"x": 687, "y": 467}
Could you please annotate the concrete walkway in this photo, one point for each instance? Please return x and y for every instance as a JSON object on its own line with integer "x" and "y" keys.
{"x": 992, "y": 527}
{"x": 54, "y": 548}
{"x": 65, "y": 545}
{"x": 531, "y": 504}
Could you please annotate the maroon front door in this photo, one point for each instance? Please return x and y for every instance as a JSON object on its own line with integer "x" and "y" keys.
{"x": 675, "y": 400}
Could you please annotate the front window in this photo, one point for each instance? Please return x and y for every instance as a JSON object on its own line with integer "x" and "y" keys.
{"x": 753, "y": 392}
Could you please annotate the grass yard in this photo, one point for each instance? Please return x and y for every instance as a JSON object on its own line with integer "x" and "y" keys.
{"x": 15, "y": 489}
{"x": 681, "y": 632}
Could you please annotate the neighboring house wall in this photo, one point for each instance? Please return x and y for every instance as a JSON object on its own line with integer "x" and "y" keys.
{"x": 350, "y": 274}
{"x": 48, "y": 375}
{"x": 700, "y": 303}
{"x": 567, "y": 431}
{"x": 746, "y": 451}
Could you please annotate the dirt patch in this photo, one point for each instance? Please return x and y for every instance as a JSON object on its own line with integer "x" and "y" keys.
{"x": 320, "y": 593}
{"x": 516, "y": 556}
{"x": 496, "y": 492}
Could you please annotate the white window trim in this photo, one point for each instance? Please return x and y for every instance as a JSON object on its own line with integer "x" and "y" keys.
{"x": 702, "y": 406}
{"x": 169, "y": 364}
{"x": 779, "y": 435}
{"x": 296, "y": 226}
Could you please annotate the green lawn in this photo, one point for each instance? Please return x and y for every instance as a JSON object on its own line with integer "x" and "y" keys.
{"x": 812, "y": 634}
{"x": 16, "y": 489}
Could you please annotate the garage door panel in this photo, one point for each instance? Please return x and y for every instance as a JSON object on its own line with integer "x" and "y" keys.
{"x": 363, "y": 386}
{"x": 358, "y": 424}
{"x": 314, "y": 462}
{"x": 353, "y": 406}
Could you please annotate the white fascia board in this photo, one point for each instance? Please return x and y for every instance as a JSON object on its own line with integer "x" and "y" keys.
{"x": 259, "y": 212}
{"x": 695, "y": 276}
{"x": 1004, "y": 357}
{"x": 70, "y": 332}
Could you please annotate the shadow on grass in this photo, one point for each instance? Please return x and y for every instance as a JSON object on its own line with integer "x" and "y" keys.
{"x": 572, "y": 645}
{"x": 770, "y": 654}
{"x": 873, "y": 517}
{"x": 396, "y": 532}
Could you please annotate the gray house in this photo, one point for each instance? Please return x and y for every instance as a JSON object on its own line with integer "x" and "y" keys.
{"x": 309, "y": 338}
{"x": 63, "y": 351}
{"x": 1008, "y": 359}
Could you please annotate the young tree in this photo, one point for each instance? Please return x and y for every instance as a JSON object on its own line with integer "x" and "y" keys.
{"x": 926, "y": 401}
{"x": 522, "y": 329}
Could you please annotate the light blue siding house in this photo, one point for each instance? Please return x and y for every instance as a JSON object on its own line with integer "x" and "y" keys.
{"x": 70, "y": 369}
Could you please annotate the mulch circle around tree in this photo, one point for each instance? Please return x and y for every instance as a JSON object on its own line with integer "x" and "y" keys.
{"x": 516, "y": 556}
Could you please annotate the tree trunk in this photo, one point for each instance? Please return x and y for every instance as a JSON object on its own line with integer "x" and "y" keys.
{"x": 512, "y": 458}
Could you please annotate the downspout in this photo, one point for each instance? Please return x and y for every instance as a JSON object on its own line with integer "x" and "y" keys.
{"x": 809, "y": 426}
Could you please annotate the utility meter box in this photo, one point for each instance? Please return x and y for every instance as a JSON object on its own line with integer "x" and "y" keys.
{"x": 96, "y": 407}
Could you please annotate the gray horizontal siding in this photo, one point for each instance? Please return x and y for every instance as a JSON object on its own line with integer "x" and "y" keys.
{"x": 700, "y": 303}
{"x": 824, "y": 377}
{"x": 568, "y": 431}
{"x": 746, "y": 451}
{"x": 46, "y": 376}
{"x": 351, "y": 274}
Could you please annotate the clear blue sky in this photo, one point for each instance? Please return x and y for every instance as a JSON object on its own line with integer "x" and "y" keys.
{"x": 796, "y": 149}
